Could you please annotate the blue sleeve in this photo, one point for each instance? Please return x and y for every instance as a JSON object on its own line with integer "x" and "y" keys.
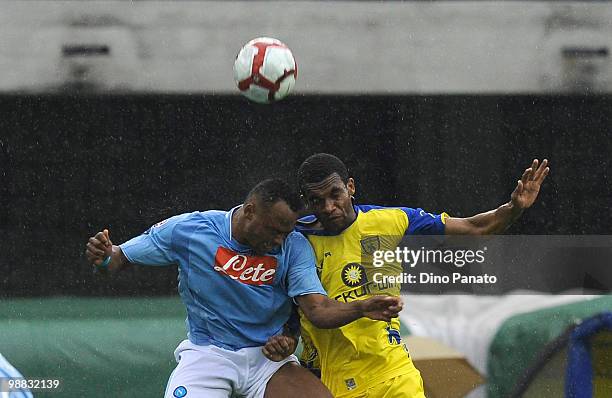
{"x": 154, "y": 246}
{"x": 8, "y": 371}
{"x": 302, "y": 271}
{"x": 422, "y": 223}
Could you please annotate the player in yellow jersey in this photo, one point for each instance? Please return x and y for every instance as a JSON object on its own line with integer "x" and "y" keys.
{"x": 367, "y": 358}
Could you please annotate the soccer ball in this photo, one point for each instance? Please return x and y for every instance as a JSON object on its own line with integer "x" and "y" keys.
{"x": 265, "y": 70}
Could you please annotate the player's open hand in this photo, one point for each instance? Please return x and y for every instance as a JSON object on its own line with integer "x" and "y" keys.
{"x": 279, "y": 347}
{"x": 382, "y": 308}
{"x": 528, "y": 187}
{"x": 99, "y": 247}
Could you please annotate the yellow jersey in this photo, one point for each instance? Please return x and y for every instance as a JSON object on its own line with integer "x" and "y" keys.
{"x": 366, "y": 351}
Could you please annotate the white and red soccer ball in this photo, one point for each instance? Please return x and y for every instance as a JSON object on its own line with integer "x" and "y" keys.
{"x": 265, "y": 70}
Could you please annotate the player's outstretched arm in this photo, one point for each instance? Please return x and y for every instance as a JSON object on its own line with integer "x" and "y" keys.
{"x": 498, "y": 220}
{"x": 99, "y": 247}
{"x": 326, "y": 313}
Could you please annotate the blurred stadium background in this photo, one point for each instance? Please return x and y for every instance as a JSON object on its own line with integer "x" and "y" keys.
{"x": 120, "y": 113}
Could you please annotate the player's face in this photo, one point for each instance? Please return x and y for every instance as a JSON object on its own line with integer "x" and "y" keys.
{"x": 270, "y": 225}
{"x": 330, "y": 201}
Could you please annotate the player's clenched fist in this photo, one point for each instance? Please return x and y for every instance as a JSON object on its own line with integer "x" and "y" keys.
{"x": 279, "y": 347}
{"x": 382, "y": 308}
{"x": 99, "y": 247}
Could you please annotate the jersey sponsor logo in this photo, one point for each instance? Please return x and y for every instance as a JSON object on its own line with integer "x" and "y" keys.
{"x": 355, "y": 294}
{"x": 354, "y": 274}
{"x": 251, "y": 270}
{"x": 367, "y": 289}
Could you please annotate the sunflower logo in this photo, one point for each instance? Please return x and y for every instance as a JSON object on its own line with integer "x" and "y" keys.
{"x": 353, "y": 274}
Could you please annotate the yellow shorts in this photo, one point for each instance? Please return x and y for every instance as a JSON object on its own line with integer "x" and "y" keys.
{"x": 403, "y": 386}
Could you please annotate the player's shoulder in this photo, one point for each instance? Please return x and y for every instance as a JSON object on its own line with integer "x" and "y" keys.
{"x": 194, "y": 217}
{"x": 383, "y": 220}
{"x": 295, "y": 246}
{"x": 377, "y": 213}
{"x": 378, "y": 208}
{"x": 296, "y": 238}
{"x": 215, "y": 215}
{"x": 215, "y": 220}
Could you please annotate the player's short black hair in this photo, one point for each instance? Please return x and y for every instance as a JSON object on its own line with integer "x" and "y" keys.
{"x": 318, "y": 167}
{"x": 272, "y": 190}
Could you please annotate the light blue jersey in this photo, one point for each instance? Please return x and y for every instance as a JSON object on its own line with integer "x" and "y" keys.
{"x": 234, "y": 297}
{"x": 7, "y": 371}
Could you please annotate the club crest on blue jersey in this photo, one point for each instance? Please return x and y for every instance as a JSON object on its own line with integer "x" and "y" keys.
{"x": 180, "y": 392}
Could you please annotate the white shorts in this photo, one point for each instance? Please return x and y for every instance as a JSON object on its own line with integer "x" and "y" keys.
{"x": 213, "y": 372}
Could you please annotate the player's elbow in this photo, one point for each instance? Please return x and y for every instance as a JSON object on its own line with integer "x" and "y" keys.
{"x": 321, "y": 311}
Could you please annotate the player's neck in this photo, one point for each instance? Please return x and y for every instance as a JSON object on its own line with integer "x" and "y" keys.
{"x": 351, "y": 216}
{"x": 238, "y": 232}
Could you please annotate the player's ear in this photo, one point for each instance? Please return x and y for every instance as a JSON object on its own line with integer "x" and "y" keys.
{"x": 350, "y": 185}
{"x": 248, "y": 209}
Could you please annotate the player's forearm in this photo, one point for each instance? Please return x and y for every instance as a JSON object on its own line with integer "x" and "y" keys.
{"x": 494, "y": 221}
{"x": 331, "y": 314}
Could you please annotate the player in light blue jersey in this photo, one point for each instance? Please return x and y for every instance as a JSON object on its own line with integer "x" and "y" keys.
{"x": 7, "y": 373}
{"x": 239, "y": 271}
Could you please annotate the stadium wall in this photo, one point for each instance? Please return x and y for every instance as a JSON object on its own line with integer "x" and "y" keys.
{"x": 72, "y": 165}
{"x": 341, "y": 46}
